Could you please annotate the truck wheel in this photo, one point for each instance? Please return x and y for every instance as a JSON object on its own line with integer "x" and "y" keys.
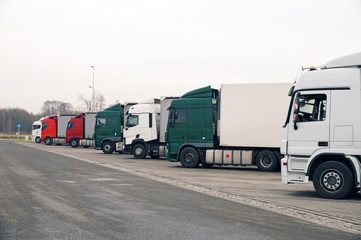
{"x": 138, "y": 151}
{"x": 333, "y": 180}
{"x": 74, "y": 143}
{"x": 266, "y": 160}
{"x": 37, "y": 140}
{"x": 47, "y": 141}
{"x": 189, "y": 157}
{"x": 108, "y": 147}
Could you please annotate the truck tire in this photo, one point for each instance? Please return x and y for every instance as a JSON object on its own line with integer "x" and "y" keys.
{"x": 37, "y": 140}
{"x": 333, "y": 180}
{"x": 189, "y": 157}
{"x": 266, "y": 160}
{"x": 139, "y": 151}
{"x": 74, "y": 143}
{"x": 47, "y": 141}
{"x": 108, "y": 147}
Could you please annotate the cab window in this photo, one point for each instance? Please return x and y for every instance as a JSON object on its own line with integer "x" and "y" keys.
{"x": 70, "y": 125}
{"x": 312, "y": 108}
{"x": 180, "y": 116}
{"x": 101, "y": 121}
{"x": 132, "y": 120}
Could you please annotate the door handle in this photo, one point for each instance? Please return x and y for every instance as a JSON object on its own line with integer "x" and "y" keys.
{"x": 323, "y": 144}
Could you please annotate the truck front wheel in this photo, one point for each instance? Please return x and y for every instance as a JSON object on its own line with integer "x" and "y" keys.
{"x": 47, "y": 141}
{"x": 37, "y": 140}
{"x": 189, "y": 157}
{"x": 108, "y": 147}
{"x": 74, "y": 143}
{"x": 333, "y": 180}
{"x": 266, "y": 160}
{"x": 139, "y": 151}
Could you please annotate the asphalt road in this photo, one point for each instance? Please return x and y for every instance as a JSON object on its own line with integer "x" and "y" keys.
{"x": 44, "y": 195}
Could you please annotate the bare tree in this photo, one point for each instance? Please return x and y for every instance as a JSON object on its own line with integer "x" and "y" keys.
{"x": 56, "y": 107}
{"x": 98, "y": 105}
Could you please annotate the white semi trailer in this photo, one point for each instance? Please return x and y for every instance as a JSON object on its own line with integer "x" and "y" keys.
{"x": 322, "y": 135}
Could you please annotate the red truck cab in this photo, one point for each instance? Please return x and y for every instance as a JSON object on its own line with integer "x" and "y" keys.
{"x": 49, "y": 128}
{"x": 75, "y": 129}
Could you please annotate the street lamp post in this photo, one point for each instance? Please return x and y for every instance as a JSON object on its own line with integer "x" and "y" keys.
{"x": 93, "y": 103}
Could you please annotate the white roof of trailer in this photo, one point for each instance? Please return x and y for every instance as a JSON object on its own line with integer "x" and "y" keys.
{"x": 352, "y": 60}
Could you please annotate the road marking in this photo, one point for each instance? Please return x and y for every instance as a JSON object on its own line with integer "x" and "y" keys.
{"x": 291, "y": 211}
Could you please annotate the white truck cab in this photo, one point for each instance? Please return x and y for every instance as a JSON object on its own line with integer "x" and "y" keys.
{"x": 322, "y": 134}
{"x": 144, "y": 131}
{"x": 36, "y": 131}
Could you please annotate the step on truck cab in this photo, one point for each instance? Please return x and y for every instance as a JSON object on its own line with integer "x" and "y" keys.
{"x": 144, "y": 132}
{"x": 322, "y": 134}
{"x": 80, "y": 130}
{"x": 240, "y": 124}
{"x": 109, "y": 125}
{"x": 36, "y": 131}
{"x": 54, "y": 129}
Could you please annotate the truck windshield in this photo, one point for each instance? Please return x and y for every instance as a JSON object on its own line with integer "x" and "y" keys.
{"x": 36, "y": 127}
{"x": 132, "y": 120}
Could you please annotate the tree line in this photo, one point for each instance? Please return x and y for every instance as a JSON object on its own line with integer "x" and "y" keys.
{"x": 11, "y": 117}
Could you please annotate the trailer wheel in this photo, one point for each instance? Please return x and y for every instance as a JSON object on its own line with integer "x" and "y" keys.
{"x": 139, "y": 151}
{"x": 266, "y": 160}
{"x": 189, "y": 157}
{"x": 333, "y": 180}
{"x": 47, "y": 141}
{"x": 74, "y": 143}
{"x": 108, "y": 147}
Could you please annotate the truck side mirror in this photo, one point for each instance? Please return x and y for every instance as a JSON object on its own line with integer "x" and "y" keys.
{"x": 296, "y": 111}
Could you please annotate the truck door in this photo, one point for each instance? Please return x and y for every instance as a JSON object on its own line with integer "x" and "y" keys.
{"x": 311, "y": 131}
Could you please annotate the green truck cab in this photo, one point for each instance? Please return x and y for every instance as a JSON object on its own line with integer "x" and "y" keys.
{"x": 191, "y": 125}
{"x": 109, "y": 128}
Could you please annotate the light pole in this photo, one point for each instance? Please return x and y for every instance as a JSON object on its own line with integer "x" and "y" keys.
{"x": 92, "y": 104}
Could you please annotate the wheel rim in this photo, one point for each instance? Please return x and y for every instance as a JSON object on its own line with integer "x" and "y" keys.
{"x": 331, "y": 180}
{"x": 138, "y": 151}
{"x": 189, "y": 157}
{"x": 266, "y": 161}
{"x": 73, "y": 143}
{"x": 107, "y": 147}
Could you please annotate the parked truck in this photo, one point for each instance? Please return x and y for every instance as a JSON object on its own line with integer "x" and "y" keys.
{"x": 322, "y": 134}
{"x": 241, "y": 124}
{"x": 80, "y": 130}
{"x": 144, "y": 132}
{"x": 109, "y": 125}
{"x": 54, "y": 129}
{"x": 36, "y": 131}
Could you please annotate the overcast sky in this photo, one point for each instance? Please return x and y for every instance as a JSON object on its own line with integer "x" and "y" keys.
{"x": 151, "y": 48}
